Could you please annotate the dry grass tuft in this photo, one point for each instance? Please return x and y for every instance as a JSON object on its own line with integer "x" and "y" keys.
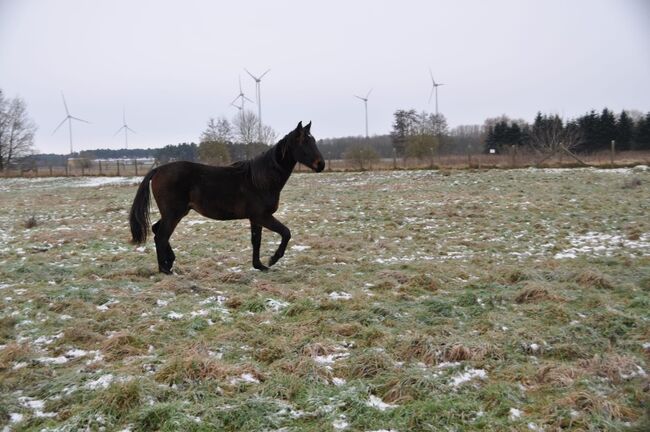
{"x": 7, "y": 328}
{"x": 369, "y": 364}
{"x": 122, "y": 345}
{"x": 30, "y": 222}
{"x": 80, "y": 335}
{"x": 460, "y": 352}
{"x": 192, "y": 367}
{"x": 422, "y": 348}
{"x": 534, "y": 292}
{"x": 598, "y": 405}
{"x": 556, "y": 375}
{"x": 347, "y": 329}
{"x": 14, "y": 352}
{"x": 594, "y": 279}
{"x": 614, "y": 367}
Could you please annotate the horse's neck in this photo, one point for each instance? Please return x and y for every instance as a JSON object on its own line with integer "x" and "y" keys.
{"x": 286, "y": 163}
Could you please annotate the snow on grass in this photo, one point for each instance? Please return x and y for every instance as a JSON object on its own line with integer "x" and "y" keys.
{"x": 175, "y": 315}
{"x": 375, "y": 402}
{"x": 106, "y": 181}
{"x": 468, "y": 375}
{"x": 275, "y": 305}
{"x": 335, "y": 295}
{"x": 102, "y": 382}
{"x": 603, "y": 244}
{"x": 515, "y": 414}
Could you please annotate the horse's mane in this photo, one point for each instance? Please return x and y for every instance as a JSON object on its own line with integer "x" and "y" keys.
{"x": 264, "y": 170}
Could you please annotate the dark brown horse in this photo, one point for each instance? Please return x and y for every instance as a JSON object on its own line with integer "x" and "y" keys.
{"x": 243, "y": 190}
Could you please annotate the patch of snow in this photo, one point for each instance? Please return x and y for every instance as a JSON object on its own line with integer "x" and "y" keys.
{"x": 102, "y": 382}
{"x": 174, "y": 315}
{"x": 338, "y": 381}
{"x": 104, "y": 181}
{"x": 196, "y": 222}
{"x": 468, "y": 375}
{"x": 300, "y": 248}
{"x": 646, "y": 345}
{"x": 19, "y": 365}
{"x": 276, "y": 305}
{"x": 53, "y": 360}
{"x": 340, "y": 295}
{"x": 104, "y": 307}
{"x": 161, "y": 303}
{"x": 200, "y": 312}
{"x": 533, "y": 426}
{"x": 375, "y": 402}
{"x": 639, "y": 372}
{"x": 245, "y": 377}
{"x": 15, "y": 417}
{"x": 515, "y": 414}
{"x": 340, "y": 423}
{"x": 445, "y": 365}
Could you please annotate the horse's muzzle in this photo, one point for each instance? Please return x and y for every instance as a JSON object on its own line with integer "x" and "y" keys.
{"x": 318, "y": 165}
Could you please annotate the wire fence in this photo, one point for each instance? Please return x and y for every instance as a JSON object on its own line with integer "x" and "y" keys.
{"x": 506, "y": 160}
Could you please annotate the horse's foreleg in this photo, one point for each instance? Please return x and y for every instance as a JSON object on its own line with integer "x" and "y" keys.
{"x": 275, "y": 225}
{"x": 256, "y": 240}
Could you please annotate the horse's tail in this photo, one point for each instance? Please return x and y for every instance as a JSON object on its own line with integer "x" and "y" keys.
{"x": 139, "y": 216}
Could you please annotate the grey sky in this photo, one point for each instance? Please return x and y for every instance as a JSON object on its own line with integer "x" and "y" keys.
{"x": 174, "y": 64}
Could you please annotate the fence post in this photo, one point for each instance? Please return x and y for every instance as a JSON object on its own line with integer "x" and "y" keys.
{"x": 135, "y": 164}
{"x": 83, "y": 170}
{"x": 50, "y": 170}
{"x": 118, "y": 168}
{"x": 611, "y": 153}
{"x": 514, "y": 156}
{"x": 100, "y": 167}
{"x": 394, "y": 158}
{"x": 66, "y": 169}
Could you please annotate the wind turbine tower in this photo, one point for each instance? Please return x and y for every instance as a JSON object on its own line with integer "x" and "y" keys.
{"x": 126, "y": 129}
{"x": 258, "y": 94}
{"x": 434, "y": 89}
{"x": 365, "y": 103}
{"x": 69, "y": 119}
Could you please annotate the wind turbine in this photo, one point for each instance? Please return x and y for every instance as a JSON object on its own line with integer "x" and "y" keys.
{"x": 69, "y": 119}
{"x": 258, "y": 94}
{"x": 126, "y": 129}
{"x": 243, "y": 98}
{"x": 434, "y": 89}
{"x": 365, "y": 103}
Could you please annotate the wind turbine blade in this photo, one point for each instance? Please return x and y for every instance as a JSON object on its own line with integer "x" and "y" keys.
{"x": 118, "y": 131}
{"x": 131, "y": 129}
{"x": 236, "y": 106}
{"x": 431, "y": 74}
{"x": 60, "y": 124}
{"x": 235, "y": 100}
{"x": 369, "y": 93}
{"x": 359, "y": 97}
{"x": 247, "y": 99}
{"x": 76, "y": 118}
{"x": 267, "y": 71}
{"x": 440, "y": 84}
{"x": 252, "y": 76}
{"x": 65, "y": 104}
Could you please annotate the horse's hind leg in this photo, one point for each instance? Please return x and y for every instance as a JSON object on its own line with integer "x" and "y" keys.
{"x": 163, "y": 230}
{"x": 256, "y": 240}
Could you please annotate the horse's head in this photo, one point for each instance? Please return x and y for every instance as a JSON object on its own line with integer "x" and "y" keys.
{"x": 304, "y": 148}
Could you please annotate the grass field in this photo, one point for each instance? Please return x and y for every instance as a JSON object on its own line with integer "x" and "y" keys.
{"x": 407, "y": 301}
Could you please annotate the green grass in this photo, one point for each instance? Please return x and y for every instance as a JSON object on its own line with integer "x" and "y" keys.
{"x": 455, "y": 299}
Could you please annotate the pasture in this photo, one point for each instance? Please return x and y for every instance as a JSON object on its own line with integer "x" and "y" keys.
{"x": 407, "y": 300}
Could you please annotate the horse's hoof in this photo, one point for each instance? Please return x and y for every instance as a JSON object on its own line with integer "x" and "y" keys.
{"x": 260, "y": 267}
{"x": 273, "y": 260}
{"x": 165, "y": 270}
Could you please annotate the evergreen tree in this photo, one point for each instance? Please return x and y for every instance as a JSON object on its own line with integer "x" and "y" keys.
{"x": 606, "y": 129}
{"x": 624, "y": 131}
{"x": 642, "y": 134}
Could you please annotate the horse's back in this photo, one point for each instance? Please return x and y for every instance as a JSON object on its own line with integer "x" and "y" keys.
{"x": 214, "y": 192}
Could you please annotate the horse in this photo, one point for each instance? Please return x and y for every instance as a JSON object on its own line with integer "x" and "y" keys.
{"x": 244, "y": 190}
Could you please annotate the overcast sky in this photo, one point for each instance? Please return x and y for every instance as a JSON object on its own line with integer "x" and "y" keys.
{"x": 174, "y": 64}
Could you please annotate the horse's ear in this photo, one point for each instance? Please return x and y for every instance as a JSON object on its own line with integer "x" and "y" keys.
{"x": 308, "y": 126}
{"x": 299, "y": 127}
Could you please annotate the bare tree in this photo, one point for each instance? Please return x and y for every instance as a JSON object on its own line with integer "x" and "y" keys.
{"x": 16, "y": 131}
{"x": 362, "y": 155}
{"x": 552, "y": 138}
{"x": 218, "y": 130}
